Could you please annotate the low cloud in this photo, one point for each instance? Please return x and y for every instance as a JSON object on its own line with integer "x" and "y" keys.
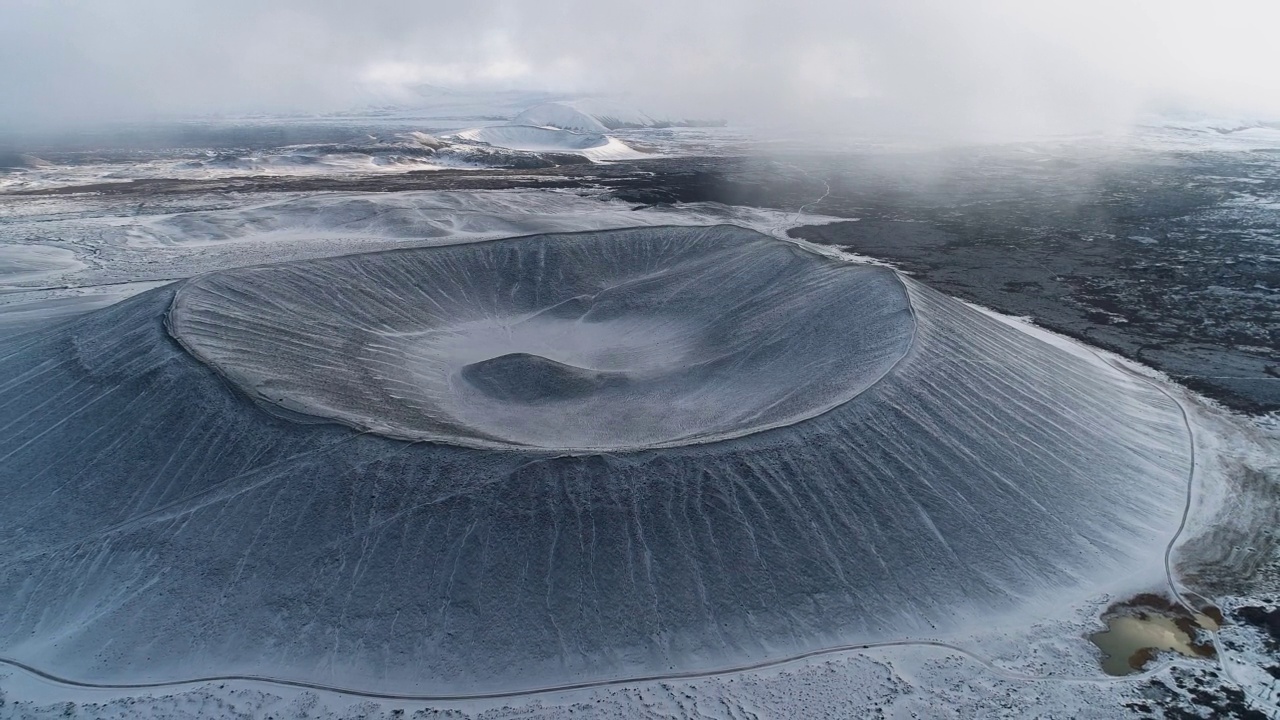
{"x": 929, "y": 66}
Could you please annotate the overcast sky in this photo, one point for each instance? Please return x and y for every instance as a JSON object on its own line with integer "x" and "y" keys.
{"x": 984, "y": 64}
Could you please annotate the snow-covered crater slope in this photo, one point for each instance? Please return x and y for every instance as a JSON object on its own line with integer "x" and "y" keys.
{"x": 295, "y": 488}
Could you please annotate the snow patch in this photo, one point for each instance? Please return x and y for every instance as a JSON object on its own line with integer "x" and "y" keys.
{"x": 594, "y": 146}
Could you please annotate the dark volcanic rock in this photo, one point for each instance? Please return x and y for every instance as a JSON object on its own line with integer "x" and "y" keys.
{"x": 522, "y": 377}
{"x": 1268, "y": 620}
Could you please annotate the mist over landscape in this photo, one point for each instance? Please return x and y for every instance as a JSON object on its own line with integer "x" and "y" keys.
{"x": 664, "y": 360}
{"x": 923, "y": 66}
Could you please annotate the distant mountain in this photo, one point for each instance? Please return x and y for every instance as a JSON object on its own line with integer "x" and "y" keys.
{"x": 18, "y": 161}
{"x": 1206, "y": 123}
{"x": 599, "y": 115}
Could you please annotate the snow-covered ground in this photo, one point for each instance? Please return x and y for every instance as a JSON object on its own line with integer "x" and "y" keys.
{"x": 892, "y": 682}
{"x": 367, "y": 156}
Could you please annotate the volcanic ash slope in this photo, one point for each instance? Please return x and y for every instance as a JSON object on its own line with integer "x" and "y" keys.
{"x": 553, "y": 459}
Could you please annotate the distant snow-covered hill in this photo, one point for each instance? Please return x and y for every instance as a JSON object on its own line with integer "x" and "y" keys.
{"x": 599, "y": 115}
{"x": 540, "y": 139}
